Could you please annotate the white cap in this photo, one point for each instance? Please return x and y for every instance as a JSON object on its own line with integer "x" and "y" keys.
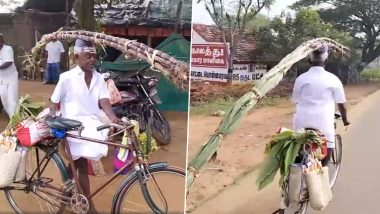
{"x": 319, "y": 55}
{"x": 82, "y": 46}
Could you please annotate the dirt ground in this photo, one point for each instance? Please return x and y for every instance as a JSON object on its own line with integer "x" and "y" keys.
{"x": 242, "y": 151}
{"x": 174, "y": 154}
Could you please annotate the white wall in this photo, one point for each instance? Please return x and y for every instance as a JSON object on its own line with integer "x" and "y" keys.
{"x": 196, "y": 38}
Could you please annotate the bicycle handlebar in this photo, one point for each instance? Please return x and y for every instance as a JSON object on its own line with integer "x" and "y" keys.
{"x": 125, "y": 126}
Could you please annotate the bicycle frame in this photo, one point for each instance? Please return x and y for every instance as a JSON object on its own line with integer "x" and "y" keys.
{"x": 136, "y": 160}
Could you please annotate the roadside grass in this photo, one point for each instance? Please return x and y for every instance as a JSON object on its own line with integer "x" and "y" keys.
{"x": 207, "y": 108}
{"x": 370, "y": 74}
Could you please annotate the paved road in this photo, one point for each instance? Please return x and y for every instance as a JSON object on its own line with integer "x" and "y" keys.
{"x": 358, "y": 184}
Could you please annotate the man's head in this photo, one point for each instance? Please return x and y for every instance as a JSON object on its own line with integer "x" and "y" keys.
{"x": 1, "y": 40}
{"x": 85, "y": 55}
{"x": 319, "y": 56}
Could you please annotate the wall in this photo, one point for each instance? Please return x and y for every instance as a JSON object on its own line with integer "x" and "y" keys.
{"x": 19, "y": 31}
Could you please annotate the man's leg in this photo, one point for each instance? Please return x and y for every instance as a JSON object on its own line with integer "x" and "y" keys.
{"x": 9, "y": 95}
{"x": 81, "y": 166}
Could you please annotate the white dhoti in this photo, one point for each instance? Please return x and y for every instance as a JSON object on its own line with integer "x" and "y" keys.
{"x": 85, "y": 149}
{"x": 323, "y": 122}
{"x": 9, "y": 93}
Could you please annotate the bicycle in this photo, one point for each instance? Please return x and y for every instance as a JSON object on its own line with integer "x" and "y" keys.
{"x": 334, "y": 167}
{"x": 150, "y": 188}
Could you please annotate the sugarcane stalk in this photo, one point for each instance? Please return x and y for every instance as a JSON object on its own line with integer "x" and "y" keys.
{"x": 173, "y": 69}
{"x": 241, "y": 107}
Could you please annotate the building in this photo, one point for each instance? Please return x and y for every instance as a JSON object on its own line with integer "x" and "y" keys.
{"x": 208, "y": 38}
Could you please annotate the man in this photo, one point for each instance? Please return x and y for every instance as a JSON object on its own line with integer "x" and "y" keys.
{"x": 54, "y": 51}
{"x": 315, "y": 93}
{"x": 79, "y": 93}
{"x": 8, "y": 78}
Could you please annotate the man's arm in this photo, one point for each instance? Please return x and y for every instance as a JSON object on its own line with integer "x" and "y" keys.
{"x": 8, "y": 58}
{"x": 107, "y": 108}
{"x": 343, "y": 113}
{"x": 5, "y": 65}
{"x": 340, "y": 99}
{"x": 56, "y": 97}
{"x": 53, "y": 109}
{"x": 104, "y": 102}
{"x": 296, "y": 91}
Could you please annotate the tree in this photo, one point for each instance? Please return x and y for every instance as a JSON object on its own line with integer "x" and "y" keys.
{"x": 257, "y": 22}
{"x": 285, "y": 33}
{"x": 233, "y": 24}
{"x": 85, "y": 12}
{"x": 360, "y": 18}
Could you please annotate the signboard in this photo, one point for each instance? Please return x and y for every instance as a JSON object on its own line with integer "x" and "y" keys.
{"x": 209, "y": 74}
{"x": 209, "y": 63}
{"x": 209, "y": 55}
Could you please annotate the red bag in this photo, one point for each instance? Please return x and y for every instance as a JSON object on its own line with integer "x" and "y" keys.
{"x": 31, "y": 132}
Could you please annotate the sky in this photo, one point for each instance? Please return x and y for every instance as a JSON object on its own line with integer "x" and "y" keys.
{"x": 200, "y": 14}
{"x": 10, "y": 7}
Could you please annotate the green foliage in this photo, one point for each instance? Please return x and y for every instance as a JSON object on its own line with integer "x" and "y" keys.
{"x": 371, "y": 74}
{"x": 285, "y": 33}
{"x": 361, "y": 19}
{"x": 281, "y": 152}
{"x": 257, "y": 22}
{"x": 25, "y": 109}
{"x": 147, "y": 148}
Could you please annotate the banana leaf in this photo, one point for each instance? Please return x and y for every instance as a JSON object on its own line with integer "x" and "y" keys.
{"x": 270, "y": 167}
{"x": 24, "y": 109}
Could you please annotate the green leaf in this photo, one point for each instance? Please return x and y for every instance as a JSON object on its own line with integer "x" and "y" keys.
{"x": 270, "y": 167}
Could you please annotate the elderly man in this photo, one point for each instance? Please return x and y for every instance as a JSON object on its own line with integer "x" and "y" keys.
{"x": 80, "y": 92}
{"x": 315, "y": 93}
{"x": 8, "y": 78}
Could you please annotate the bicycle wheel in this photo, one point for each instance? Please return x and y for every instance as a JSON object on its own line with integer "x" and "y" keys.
{"x": 297, "y": 208}
{"x": 29, "y": 196}
{"x": 134, "y": 196}
{"x": 336, "y": 159}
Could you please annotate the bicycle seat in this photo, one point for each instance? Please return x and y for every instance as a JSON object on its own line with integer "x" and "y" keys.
{"x": 62, "y": 123}
{"x": 337, "y": 116}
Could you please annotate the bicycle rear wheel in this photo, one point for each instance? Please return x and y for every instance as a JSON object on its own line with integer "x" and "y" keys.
{"x": 336, "y": 159}
{"x": 135, "y": 196}
{"x": 29, "y": 196}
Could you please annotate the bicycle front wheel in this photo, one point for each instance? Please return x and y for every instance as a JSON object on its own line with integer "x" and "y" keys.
{"x": 32, "y": 194}
{"x": 163, "y": 192}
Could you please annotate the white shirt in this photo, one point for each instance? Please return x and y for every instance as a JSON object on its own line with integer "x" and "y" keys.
{"x": 54, "y": 50}
{"x": 315, "y": 93}
{"x": 75, "y": 97}
{"x": 6, "y": 55}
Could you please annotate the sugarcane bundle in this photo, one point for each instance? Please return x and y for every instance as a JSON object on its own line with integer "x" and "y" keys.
{"x": 173, "y": 69}
{"x": 246, "y": 102}
{"x": 282, "y": 151}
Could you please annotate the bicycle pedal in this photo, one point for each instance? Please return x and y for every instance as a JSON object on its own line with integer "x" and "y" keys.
{"x": 45, "y": 180}
{"x": 69, "y": 185}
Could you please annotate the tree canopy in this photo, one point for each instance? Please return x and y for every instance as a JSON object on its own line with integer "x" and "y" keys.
{"x": 286, "y": 32}
{"x": 361, "y": 19}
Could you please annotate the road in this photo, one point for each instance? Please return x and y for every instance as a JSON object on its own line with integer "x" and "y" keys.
{"x": 357, "y": 187}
